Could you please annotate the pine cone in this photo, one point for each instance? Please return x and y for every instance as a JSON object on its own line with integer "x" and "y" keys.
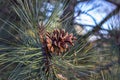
{"x": 58, "y": 41}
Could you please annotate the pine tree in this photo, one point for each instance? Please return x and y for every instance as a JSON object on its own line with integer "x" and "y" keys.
{"x": 44, "y": 45}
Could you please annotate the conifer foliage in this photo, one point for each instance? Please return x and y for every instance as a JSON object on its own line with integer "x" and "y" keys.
{"x": 42, "y": 45}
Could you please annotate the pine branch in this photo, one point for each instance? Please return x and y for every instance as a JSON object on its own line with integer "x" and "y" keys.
{"x": 98, "y": 69}
{"x": 105, "y": 67}
{"x": 98, "y": 27}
